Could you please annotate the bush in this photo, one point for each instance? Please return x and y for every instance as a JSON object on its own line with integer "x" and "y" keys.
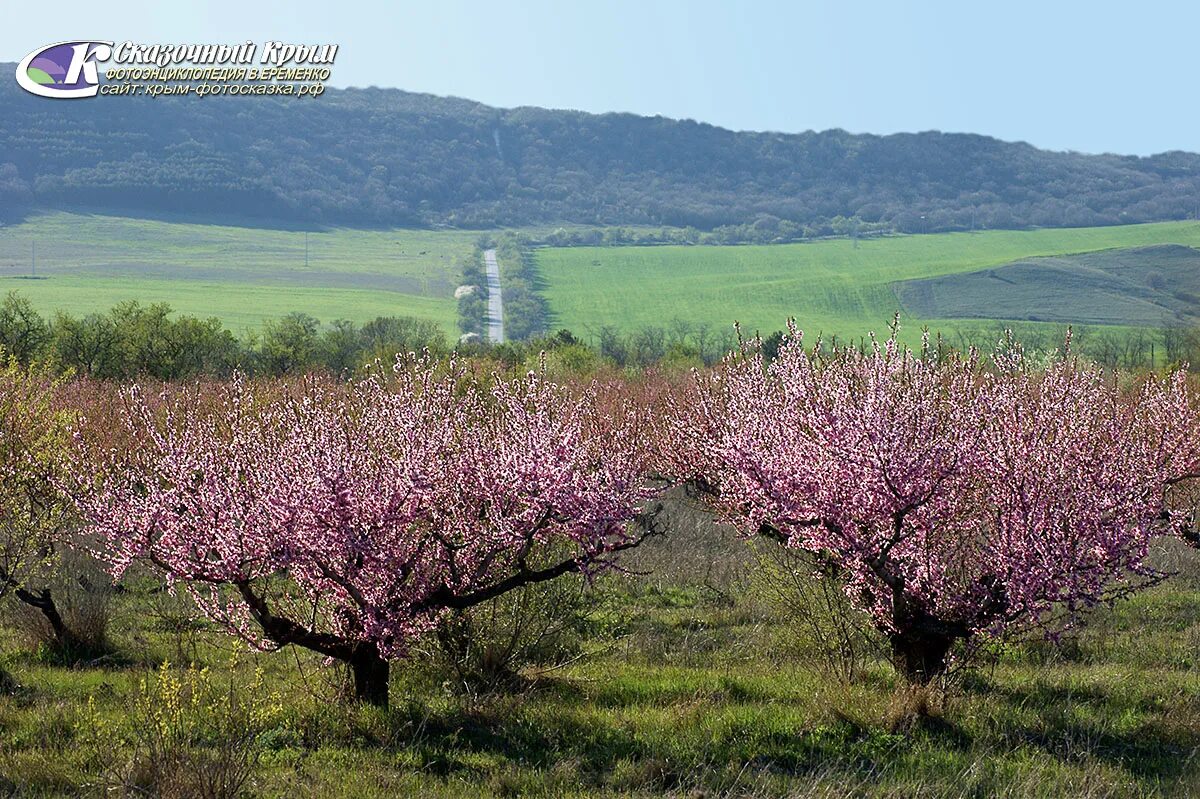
{"x": 814, "y": 604}
{"x": 187, "y": 736}
{"x": 69, "y": 622}
{"x": 486, "y": 647}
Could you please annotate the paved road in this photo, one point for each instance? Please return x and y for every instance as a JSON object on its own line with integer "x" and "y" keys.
{"x": 495, "y": 302}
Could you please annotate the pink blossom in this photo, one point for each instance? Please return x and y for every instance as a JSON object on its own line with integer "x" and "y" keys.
{"x": 954, "y": 500}
{"x": 347, "y": 520}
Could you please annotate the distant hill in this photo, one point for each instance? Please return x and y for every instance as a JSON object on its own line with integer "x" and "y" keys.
{"x": 1150, "y": 286}
{"x": 368, "y": 157}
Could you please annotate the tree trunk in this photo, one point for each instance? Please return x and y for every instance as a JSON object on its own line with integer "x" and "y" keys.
{"x": 370, "y": 676}
{"x": 920, "y": 657}
{"x": 7, "y": 684}
{"x": 43, "y": 601}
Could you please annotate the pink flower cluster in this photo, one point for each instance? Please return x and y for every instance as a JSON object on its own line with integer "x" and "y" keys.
{"x": 951, "y": 498}
{"x": 338, "y": 515}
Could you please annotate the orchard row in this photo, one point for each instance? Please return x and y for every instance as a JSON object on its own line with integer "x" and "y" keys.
{"x": 953, "y": 498}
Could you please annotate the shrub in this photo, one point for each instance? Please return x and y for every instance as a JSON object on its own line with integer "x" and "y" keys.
{"x": 813, "y": 602}
{"x": 487, "y": 647}
{"x": 71, "y": 623}
{"x": 187, "y": 737}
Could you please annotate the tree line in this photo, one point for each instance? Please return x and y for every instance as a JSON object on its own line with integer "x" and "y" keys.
{"x": 764, "y": 229}
{"x": 132, "y": 340}
{"x": 472, "y": 298}
{"x": 526, "y": 315}
{"x": 366, "y": 157}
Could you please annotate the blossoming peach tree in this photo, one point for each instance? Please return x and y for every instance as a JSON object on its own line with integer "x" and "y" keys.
{"x": 348, "y": 520}
{"x": 955, "y": 500}
{"x": 33, "y": 514}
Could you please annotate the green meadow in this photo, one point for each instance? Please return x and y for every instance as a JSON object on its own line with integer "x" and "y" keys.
{"x": 243, "y": 275}
{"x": 693, "y": 679}
{"x": 82, "y": 263}
{"x": 836, "y": 286}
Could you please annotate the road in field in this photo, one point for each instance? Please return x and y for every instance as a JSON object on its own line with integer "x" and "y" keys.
{"x": 495, "y": 302}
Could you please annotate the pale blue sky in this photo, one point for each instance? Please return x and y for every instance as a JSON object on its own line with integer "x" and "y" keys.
{"x": 1091, "y": 76}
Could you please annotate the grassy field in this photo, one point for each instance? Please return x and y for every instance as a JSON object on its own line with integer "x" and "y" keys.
{"x": 1151, "y": 286}
{"x": 88, "y": 263}
{"x": 693, "y": 684}
{"x": 835, "y": 286}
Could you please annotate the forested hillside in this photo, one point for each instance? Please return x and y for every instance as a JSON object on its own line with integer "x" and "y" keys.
{"x": 387, "y": 157}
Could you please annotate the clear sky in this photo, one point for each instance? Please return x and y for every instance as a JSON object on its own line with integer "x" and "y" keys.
{"x": 1091, "y": 76}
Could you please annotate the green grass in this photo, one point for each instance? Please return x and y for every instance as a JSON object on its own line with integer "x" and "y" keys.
{"x": 247, "y": 275}
{"x": 687, "y": 691}
{"x": 1150, "y": 286}
{"x": 242, "y": 275}
{"x": 833, "y": 287}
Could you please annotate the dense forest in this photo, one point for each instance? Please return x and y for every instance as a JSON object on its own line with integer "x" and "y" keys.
{"x": 369, "y": 157}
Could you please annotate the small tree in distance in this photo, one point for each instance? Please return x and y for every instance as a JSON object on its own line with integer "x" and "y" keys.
{"x": 348, "y": 520}
{"x": 953, "y": 499}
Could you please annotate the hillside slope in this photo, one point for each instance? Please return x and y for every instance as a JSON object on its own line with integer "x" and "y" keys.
{"x": 1152, "y": 286}
{"x": 846, "y": 288}
{"x": 368, "y": 157}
